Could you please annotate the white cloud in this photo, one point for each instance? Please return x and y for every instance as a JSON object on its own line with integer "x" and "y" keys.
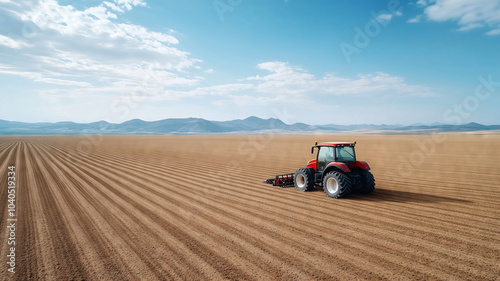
{"x": 129, "y": 4}
{"x": 422, "y": 3}
{"x": 37, "y": 77}
{"x": 62, "y": 82}
{"x": 493, "y": 32}
{"x": 470, "y": 26}
{"x": 11, "y": 43}
{"x": 113, "y": 7}
{"x": 285, "y": 84}
{"x": 218, "y": 90}
{"x": 384, "y": 17}
{"x": 388, "y": 17}
{"x": 415, "y": 19}
{"x": 90, "y": 48}
{"x": 283, "y": 78}
{"x": 286, "y": 79}
{"x": 468, "y": 14}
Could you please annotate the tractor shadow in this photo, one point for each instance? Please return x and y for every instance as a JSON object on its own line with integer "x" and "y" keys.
{"x": 398, "y": 196}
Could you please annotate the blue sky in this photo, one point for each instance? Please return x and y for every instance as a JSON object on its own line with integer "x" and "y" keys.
{"x": 318, "y": 62}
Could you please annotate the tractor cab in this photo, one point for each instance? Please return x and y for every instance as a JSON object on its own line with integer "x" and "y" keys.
{"x": 329, "y": 152}
{"x": 341, "y": 153}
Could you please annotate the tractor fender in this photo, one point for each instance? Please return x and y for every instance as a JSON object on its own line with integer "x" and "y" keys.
{"x": 362, "y": 165}
{"x": 312, "y": 164}
{"x": 336, "y": 165}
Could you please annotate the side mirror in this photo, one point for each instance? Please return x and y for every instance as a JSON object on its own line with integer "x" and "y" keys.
{"x": 312, "y": 148}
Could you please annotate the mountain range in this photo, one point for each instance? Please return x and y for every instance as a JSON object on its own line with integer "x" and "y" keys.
{"x": 250, "y": 125}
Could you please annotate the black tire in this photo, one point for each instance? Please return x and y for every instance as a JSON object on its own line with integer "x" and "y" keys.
{"x": 336, "y": 185}
{"x": 367, "y": 183}
{"x": 304, "y": 179}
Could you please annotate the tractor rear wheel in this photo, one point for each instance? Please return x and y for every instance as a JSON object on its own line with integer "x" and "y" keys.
{"x": 336, "y": 185}
{"x": 303, "y": 179}
{"x": 367, "y": 182}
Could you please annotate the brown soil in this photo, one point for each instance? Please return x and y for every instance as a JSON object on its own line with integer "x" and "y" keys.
{"x": 195, "y": 207}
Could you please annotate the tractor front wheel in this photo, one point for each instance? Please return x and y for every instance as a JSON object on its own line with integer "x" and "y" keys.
{"x": 303, "y": 179}
{"x": 336, "y": 185}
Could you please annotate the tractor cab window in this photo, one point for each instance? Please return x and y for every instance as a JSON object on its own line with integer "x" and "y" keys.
{"x": 345, "y": 154}
{"x": 326, "y": 155}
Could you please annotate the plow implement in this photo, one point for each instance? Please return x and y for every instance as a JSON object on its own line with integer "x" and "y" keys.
{"x": 281, "y": 180}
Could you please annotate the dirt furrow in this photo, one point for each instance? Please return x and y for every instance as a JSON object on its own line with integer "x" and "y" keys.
{"x": 36, "y": 249}
{"x": 194, "y": 207}
{"x": 85, "y": 220}
{"x": 67, "y": 260}
{"x": 451, "y": 243}
{"x": 146, "y": 197}
{"x": 112, "y": 191}
{"x": 147, "y": 184}
{"x": 117, "y": 216}
{"x": 401, "y": 196}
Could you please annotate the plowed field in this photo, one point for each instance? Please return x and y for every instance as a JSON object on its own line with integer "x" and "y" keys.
{"x": 195, "y": 207}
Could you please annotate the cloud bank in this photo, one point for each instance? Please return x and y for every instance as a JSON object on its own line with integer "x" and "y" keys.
{"x": 469, "y": 15}
{"x": 92, "y": 48}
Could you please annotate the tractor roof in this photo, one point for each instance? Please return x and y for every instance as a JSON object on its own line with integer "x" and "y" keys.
{"x": 336, "y": 143}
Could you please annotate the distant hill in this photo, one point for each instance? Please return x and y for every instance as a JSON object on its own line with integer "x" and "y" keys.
{"x": 201, "y": 126}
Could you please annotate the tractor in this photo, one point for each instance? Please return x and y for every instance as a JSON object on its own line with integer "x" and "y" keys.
{"x": 335, "y": 169}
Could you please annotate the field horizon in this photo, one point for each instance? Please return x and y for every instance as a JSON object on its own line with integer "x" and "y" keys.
{"x": 249, "y": 125}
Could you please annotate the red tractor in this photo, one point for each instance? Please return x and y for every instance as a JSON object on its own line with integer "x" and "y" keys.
{"x": 335, "y": 169}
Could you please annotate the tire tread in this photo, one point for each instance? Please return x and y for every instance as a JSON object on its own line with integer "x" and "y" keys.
{"x": 308, "y": 176}
{"x": 344, "y": 184}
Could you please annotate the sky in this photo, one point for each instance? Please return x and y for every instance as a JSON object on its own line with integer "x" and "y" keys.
{"x": 312, "y": 61}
